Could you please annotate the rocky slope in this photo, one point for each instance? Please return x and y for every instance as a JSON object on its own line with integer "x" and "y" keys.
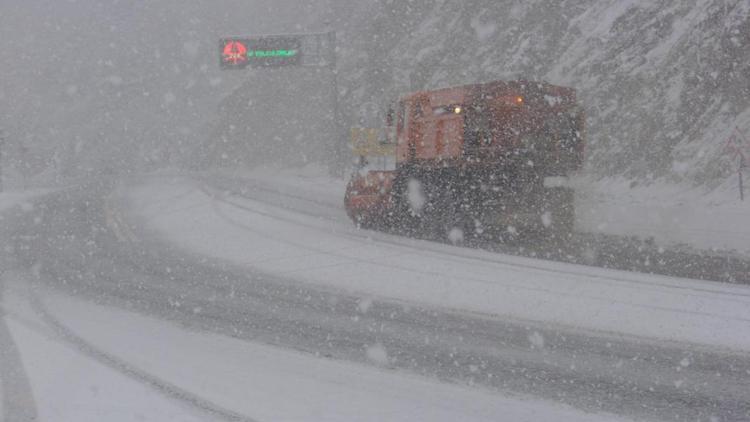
{"x": 663, "y": 83}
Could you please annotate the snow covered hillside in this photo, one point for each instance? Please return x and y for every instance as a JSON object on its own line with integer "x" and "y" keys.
{"x": 663, "y": 83}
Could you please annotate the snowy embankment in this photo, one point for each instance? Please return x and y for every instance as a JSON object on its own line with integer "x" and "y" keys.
{"x": 19, "y": 198}
{"x": 290, "y": 243}
{"x": 66, "y": 385}
{"x": 669, "y": 214}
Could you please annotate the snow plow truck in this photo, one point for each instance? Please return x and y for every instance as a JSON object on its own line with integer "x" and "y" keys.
{"x": 484, "y": 160}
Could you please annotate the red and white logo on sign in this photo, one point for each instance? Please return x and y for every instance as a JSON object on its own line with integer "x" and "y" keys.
{"x": 234, "y": 53}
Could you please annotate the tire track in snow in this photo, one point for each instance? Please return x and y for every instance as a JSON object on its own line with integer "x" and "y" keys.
{"x": 170, "y": 390}
{"x": 18, "y": 403}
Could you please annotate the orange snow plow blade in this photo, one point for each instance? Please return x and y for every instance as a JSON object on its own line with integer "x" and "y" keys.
{"x": 367, "y": 198}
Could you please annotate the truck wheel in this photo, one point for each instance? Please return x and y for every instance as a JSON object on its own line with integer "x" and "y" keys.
{"x": 457, "y": 229}
{"x": 405, "y": 218}
{"x": 452, "y": 223}
{"x": 563, "y": 216}
{"x": 366, "y": 223}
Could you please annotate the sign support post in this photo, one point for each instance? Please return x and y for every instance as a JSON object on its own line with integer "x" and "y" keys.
{"x": 2, "y": 145}
{"x": 292, "y": 50}
{"x": 739, "y": 176}
{"x": 337, "y": 147}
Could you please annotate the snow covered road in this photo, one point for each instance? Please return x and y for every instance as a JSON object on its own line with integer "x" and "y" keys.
{"x": 302, "y": 235}
{"x": 203, "y": 290}
{"x": 203, "y": 355}
{"x": 254, "y": 379}
{"x": 318, "y": 246}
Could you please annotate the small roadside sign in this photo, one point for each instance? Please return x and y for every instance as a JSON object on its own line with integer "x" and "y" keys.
{"x": 738, "y": 145}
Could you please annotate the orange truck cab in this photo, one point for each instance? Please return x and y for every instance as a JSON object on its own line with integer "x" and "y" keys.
{"x": 487, "y": 158}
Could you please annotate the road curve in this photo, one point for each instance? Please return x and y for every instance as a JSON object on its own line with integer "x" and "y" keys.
{"x": 76, "y": 249}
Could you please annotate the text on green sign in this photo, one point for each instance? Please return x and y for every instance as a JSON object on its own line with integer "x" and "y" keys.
{"x": 272, "y": 53}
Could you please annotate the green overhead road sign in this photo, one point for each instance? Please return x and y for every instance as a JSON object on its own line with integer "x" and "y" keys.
{"x": 262, "y": 51}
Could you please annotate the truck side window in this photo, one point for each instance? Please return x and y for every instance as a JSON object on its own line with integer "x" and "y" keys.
{"x": 418, "y": 112}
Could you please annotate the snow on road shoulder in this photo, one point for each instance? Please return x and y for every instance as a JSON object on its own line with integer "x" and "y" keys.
{"x": 271, "y": 384}
{"x": 68, "y": 386}
{"x": 670, "y": 214}
{"x": 13, "y": 198}
{"x": 289, "y": 244}
{"x": 312, "y": 181}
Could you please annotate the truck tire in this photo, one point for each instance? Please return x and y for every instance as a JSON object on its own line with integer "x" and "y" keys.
{"x": 563, "y": 214}
{"x": 404, "y": 218}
